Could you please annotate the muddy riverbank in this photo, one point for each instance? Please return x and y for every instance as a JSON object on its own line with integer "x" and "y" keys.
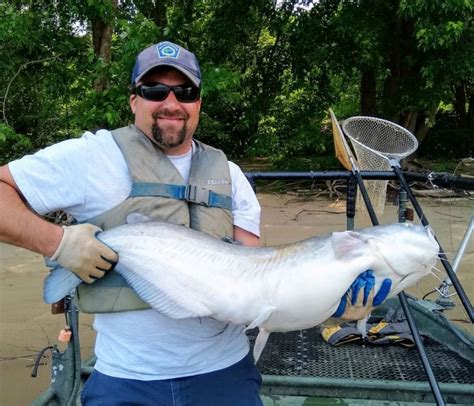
{"x": 26, "y": 323}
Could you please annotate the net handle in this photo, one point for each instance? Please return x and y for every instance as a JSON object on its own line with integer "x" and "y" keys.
{"x": 343, "y": 152}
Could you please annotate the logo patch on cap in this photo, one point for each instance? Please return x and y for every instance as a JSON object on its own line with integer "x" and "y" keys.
{"x": 167, "y": 50}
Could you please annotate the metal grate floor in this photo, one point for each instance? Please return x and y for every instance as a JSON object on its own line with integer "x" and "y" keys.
{"x": 305, "y": 353}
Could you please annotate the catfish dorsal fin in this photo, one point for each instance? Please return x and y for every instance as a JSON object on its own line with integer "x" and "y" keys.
{"x": 348, "y": 244}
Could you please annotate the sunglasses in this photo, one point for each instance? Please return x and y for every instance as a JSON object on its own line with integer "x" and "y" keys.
{"x": 159, "y": 92}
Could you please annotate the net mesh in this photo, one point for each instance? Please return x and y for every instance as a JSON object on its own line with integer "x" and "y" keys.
{"x": 375, "y": 141}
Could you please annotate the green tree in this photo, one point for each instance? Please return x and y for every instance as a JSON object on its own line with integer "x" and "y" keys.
{"x": 270, "y": 69}
{"x": 444, "y": 36}
{"x": 407, "y": 56}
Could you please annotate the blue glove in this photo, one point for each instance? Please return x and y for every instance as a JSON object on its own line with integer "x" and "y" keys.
{"x": 361, "y": 297}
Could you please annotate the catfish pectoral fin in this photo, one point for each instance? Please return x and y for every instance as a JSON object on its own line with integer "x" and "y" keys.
{"x": 262, "y": 317}
{"x": 260, "y": 343}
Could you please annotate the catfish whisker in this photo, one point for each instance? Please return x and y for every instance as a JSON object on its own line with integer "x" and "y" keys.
{"x": 440, "y": 271}
{"x": 418, "y": 288}
{"x": 436, "y": 276}
{"x": 447, "y": 253}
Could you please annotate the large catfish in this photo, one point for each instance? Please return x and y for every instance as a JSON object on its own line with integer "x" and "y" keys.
{"x": 182, "y": 273}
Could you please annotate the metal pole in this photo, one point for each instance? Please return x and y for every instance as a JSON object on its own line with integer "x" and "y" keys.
{"x": 73, "y": 316}
{"x": 444, "y": 260}
{"x": 436, "y": 179}
{"x": 351, "y": 201}
{"x": 402, "y": 206}
{"x": 379, "y": 175}
{"x": 462, "y": 247}
{"x": 404, "y": 303}
{"x": 365, "y": 196}
{"x": 444, "y": 299}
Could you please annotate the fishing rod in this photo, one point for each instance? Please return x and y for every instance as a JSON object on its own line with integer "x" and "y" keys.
{"x": 348, "y": 159}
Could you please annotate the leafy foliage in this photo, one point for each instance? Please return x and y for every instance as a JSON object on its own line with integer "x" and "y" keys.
{"x": 270, "y": 69}
{"x": 12, "y": 144}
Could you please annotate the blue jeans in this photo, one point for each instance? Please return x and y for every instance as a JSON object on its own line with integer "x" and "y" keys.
{"x": 237, "y": 385}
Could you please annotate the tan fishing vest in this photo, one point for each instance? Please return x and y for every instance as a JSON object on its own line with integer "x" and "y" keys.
{"x": 160, "y": 193}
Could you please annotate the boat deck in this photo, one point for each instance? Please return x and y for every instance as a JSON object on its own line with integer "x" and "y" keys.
{"x": 305, "y": 353}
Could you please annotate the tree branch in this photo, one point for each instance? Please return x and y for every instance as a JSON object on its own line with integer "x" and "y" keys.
{"x": 14, "y": 77}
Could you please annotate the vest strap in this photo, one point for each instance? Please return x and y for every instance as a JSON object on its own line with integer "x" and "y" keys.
{"x": 190, "y": 193}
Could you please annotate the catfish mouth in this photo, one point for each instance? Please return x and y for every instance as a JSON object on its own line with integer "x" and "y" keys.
{"x": 420, "y": 267}
{"x": 420, "y": 264}
{"x": 413, "y": 278}
{"x": 393, "y": 268}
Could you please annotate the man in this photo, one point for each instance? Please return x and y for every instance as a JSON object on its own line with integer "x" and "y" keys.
{"x": 143, "y": 357}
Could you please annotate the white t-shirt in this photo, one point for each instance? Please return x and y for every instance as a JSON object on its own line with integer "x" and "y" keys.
{"x": 86, "y": 177}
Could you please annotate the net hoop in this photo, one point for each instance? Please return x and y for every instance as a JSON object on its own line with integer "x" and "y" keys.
{"x": 381, "y": 137}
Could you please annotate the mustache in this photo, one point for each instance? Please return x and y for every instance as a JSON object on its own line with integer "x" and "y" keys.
{"x": 167, "y": 113}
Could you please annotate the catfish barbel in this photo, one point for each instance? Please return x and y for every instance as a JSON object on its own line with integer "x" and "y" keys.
{"x": 183, "y": 273}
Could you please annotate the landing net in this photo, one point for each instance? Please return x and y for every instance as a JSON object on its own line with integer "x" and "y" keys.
{"x": 375, "y": 142}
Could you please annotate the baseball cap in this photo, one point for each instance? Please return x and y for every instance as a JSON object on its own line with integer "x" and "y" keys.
{"x": 167, "y": 54}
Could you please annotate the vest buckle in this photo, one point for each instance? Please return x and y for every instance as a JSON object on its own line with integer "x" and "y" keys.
{"x": 198, "y": 195}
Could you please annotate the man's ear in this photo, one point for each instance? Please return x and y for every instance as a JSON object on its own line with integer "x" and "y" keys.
{"x": 133, "y": 102}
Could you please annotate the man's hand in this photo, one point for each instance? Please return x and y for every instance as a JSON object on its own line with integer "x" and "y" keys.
{"x": 82, "y": 253}
{"x": 359, "y": 300}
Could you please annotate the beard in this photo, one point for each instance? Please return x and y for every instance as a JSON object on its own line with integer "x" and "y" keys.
{"x": 167, "y": 137}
